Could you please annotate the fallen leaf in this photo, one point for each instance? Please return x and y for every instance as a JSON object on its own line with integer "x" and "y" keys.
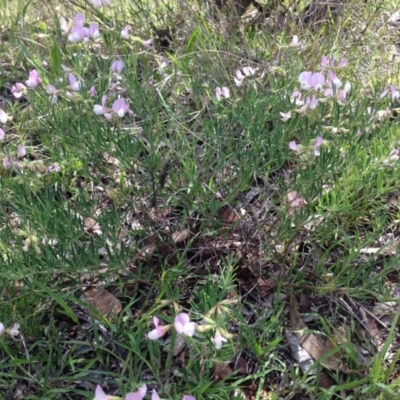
{"x": 302, "y": 357}
{"x": 309, "y": 341}
{"x": 325, "y": 381}
{"x": 242, "y": 366}
{"x": 296, "y": 202}
{"x": 180, "y": 236}
{"x": 101, "y": 303}
{"x": 221, "y": 371}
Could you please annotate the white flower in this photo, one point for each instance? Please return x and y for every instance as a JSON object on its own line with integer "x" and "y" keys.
{"x": 3, "y": 117}
{"x": 14, "y": 330}
{"x": 218, "y": 339}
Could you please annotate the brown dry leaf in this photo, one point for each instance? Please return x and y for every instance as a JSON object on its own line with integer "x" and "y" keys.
{"x": 160, "y": 215}
{"x": 242, "y": 366}
{"x": 302, "y": 357}
{"x": 387, "y": 249}
{"x": 304, "y": 303}
{"x": 228, "y": 215}
{"x": 295, "y": 201}
{"x": 221, "y": 371}
{"x": 101, "y": 303}
{"x": 309, "y": 341}
{"x": 325, "y": 381}
{"x": 147, "y": 251}
{"x": 110, "y": 159}
{"x": 90, "y": 224}
{"x": 180, "y": 236}
{"x": 265, "y": 285}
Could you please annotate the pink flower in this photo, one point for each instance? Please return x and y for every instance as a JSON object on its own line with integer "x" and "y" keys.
{"x": 99, "y": 394}
{"x": 343, "y": 63}
{"x": 99, "y": 3}
{"x": 384, "y": 93}
{"x": 77, "y": 34}
{"x": 313, "y": 103}
{"x": 74, "y": 84}
{"x": 309, "y": 103}
{"x": 224, "y": 92}
{"x": 238, "y": 78}
{"x": 317, "y": 144}
{"x": 218, "y": 339}
{"x": 324, "y": 61}
{"x": 285, "y": 116}
{"x": 117, "y": 66}
{"x": 159, "y": 331}
{"x": 3, "y": 117}
{"x": 93, "y": 31}
{"x": 248, "y": 71}
{"x": 394, "y": 92}
{"x": 14, "y": 330}
{"x": 154, "y": 395}
{"x": 147, "y": 42}
{"x": 2, "y": 328}
{"x": 64, "y": 26}
{"x": 18, "y": 90}
{"x": 120, "y": 107}
{"x": 34, "y": 79}
{"x": 101, "y": 109}
{"x": 293, "y": 146}
{"x": 183, "y": 325}
{"x": 334, "y": 79}
{"x": 79, "y": 20}
{"x": 309, "y": 80}
{"x": 8, "y": 162}
{"x": 239, "y": 74}
{"x": 317, "y": 80}
{"x": 342, "y": 94}
{"x": 125, "y": 32}
{"x": 295, "y": 42}
{"x": 296, "y": 98}
{"x": 304, "y": 80}
{"x": 53, "y": 168}
{"x": 21, "y": 151}
{"x": 2, "y": 135}
{"x": 92, "y": 91}
{"x": 53, "y": 93}
{"x": 137, "y": 395}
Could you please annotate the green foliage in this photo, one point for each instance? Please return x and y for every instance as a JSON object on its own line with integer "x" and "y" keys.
{"x": 157, "y": 206}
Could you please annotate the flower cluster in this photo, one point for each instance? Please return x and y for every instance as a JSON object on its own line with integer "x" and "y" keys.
{"x": 184, "y": 326}
{"x": 325, "y": 82}
{"x": 80, "y": 33}
{"x": 119, "y": 108}
{"x": 240, "y": 75}
{"x": 19, "y": 89}
{"x": 316, "y": 147}
{"x": 222, "y": 92}
{"x": 138, "y": 395}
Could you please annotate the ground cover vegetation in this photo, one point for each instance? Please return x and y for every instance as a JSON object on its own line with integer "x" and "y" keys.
{"x": 197, "y": 204}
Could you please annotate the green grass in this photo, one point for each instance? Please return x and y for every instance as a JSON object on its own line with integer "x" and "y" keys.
{"x": 185, "y": 206}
